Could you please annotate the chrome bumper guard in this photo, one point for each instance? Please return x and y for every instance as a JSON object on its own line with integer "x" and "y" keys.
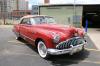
{"x": 71, "y": 50}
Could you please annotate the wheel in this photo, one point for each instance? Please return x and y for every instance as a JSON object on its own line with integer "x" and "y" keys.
{"x": 42, "y": 49}
{"x": 18, "y": 37}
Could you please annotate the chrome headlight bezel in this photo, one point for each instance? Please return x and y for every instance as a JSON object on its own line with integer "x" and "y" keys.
{"x": 55, "y": 37}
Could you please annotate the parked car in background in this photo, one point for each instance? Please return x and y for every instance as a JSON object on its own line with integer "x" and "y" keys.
{"x": 48, "y": 37}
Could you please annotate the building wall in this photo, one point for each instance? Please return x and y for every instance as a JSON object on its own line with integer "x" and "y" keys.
{"x": 23, "y": 5}
{"x": 3, "y": 8}
{"x": 3, "y": 5}
{"x": 63, "y": 14}
{"x": 11, "y": 5}
{"x": 20, "y": 13}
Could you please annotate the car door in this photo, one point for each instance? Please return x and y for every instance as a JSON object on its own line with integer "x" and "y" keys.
{"x": 31, "y": 29}
{"x": 24, "y": 27}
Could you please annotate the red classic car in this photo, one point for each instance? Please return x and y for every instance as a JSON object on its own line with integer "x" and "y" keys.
{"x": 48, "y": 37}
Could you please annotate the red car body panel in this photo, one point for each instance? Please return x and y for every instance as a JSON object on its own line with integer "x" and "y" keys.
{"x": 43, "y": 31}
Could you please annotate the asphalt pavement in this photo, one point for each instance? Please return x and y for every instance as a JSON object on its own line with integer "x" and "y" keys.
{"x": 21, "y": 53}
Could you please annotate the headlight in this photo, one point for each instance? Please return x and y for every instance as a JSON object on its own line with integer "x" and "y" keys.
{"x": 56, "y": 37}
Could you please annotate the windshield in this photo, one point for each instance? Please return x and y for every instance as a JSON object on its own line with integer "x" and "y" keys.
{"x": 43, "y": 20}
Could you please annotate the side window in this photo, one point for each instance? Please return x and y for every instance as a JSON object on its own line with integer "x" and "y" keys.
{"x": 32, "y": 21}
{"x": 25, "y": 21}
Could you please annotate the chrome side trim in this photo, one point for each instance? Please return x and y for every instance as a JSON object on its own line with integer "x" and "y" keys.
{"x": 27, "y": 37}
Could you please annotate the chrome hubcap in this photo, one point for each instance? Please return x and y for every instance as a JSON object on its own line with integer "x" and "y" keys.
{"x": 42, "y": 49}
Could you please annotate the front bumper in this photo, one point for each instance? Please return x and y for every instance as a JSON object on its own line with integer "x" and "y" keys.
{"x": 70, "y": 51}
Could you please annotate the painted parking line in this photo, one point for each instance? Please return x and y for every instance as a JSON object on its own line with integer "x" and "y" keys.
{"x": 15, "y": 41}
{"x": 92, "y": 49}
{"x": 94, "y": 62}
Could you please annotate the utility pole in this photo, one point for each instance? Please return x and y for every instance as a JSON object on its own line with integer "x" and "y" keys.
{"x": 74, "y": 12}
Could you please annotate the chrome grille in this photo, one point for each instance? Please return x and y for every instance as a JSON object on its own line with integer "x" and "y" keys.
{"x": 67, "y": 44}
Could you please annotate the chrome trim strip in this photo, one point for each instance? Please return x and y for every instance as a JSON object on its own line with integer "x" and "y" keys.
{"x": 27, "y": 37}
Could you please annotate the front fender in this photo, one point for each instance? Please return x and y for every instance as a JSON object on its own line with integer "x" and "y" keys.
{"x": 46, "y": 38}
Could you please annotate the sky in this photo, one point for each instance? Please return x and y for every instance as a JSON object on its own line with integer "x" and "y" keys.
{"x": 37, "y": 2}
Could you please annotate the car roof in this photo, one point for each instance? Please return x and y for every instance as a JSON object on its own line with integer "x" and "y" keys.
{"x": 29, "y": 16}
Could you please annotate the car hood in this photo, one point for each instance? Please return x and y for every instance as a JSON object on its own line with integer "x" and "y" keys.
{"x": 56, "y": 27}
{"x": 62, "y": 30}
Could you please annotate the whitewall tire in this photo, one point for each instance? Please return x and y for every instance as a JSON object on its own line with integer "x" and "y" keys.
{"x": 42, "y": 49}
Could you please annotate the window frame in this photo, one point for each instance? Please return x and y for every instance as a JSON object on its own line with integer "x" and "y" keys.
{"x": 27, "y": 21}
